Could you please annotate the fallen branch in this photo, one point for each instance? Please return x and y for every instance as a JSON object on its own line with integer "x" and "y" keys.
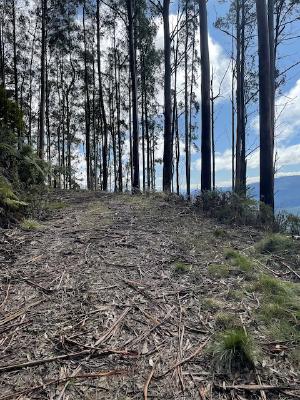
{"x": 88, "y": 352}
{"x": 113, "y": 327}
{"x": 17, "y": 367}
{"x": 256, "y": 388}
{"x": 148, "y": 383}
{"x": 94, "y": 375}
{"x": 185, "y": 360}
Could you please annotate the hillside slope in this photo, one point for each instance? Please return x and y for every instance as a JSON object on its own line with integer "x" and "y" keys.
{"x": 121, "y": 297}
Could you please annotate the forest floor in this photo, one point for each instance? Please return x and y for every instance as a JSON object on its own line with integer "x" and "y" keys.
{"x": 123, "y": 297}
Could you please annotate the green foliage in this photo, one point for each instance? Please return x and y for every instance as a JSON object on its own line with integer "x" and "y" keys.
{"x": 272, "y": 286}
{"x": 275, "y": 243}
{"x": 30, "y": 225}
{"x": 225, "y": 320}
{"x": 239, "y": 260}
{"x": 220, "y": 233}
{"x": 233, "y": 350}
{"x": 211, "y": 304}
{"x": 20, "y": 168}
{"x": 232, "y": 208}
{"x": 181, "y": 268}
{"x": 8, "y": 198}
{"x": 57, "y": 205}
{"x": 229, "y": 207}
{"x": 219, "y": 270}
{"x": 280, "y": 307}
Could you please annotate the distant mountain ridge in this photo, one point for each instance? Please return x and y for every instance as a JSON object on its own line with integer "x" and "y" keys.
{"x": 287, "y": 193}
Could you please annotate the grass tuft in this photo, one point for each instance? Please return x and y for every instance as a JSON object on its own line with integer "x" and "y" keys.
{"x": 57, "y": 205}
{"x": 219, "y": 270}
{"x": 275, "y": 243}
{"x": 271, "y": 286}
{"x": 30, "y": 225}
{"x": 238, "y": 260}
{"x": 181, "y": 268}
{"x": 211, "y": 304}
{"x": 233, "y": 350}
{"x": 220, "y": 233}
{"x": 225, "y": 320}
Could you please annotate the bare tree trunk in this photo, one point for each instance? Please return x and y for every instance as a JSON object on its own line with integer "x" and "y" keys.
{"x": 186, "y": 106}
{"x": 265, "y": 107}
{"x": 232, "y": 126}
{"x": 168, "y": 144}
{"x": 29, "y": 139}
{"x": 15, "y": 51}
{"x": 2, "y": 60}
{"x": 213, "y": 132}
{"x": 102, "y": 108}
{"x": 240, "y": 180}
{"x": 272, "y": 61}
{"x": 87, "y": 107}
{"x": 41, "y": 146}
{"x": 205, "y": 101}
{"x": 135, "y": 124}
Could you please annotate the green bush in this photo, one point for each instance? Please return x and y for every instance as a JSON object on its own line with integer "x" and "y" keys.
{"x": 20, "y": 168}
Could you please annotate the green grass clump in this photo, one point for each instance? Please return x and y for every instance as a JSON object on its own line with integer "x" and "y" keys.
{"x": 181, "y": 268}
{"x": 275, "y": 243}
{"x": 211, "y": 304}
{"x": 283, "y": 330}
{"x": 238, "y": 260}
{"x": 280, "y": 307}
{"x": 236, "y": 294}
{"x": 271, "y": 286}
{"x": 220, "y": 233}
{"x": 224, "y": 320}
{"x": 219, "y": 270}
{"x": 57, "y": 205}
{"x": 233, "y": 350}
{"x": 30, "y": 225}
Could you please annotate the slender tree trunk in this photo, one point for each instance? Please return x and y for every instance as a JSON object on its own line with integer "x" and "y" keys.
{"x": 41, "y": 149}
{"x": 240, "y": 184}
{"x": 87, "y": 106}
{"x": 135, "y": 124}
{"x": 186, "y": 106}
{"x": 102, "y": 108}
{"x": 120, "y": 166}
{"x": 30, "y": 88}
{"x": 2, "y": 60}
{"x": 232, "y": 126}
{"x": 168, "y": 145}
{"x": 205, "y": 101}
{"x": 265, "y": 107}
{"x": 272, "y": 61}
{"x": 48, "y": 133}
{"x": 15, "y": 51}
{"x": 213, "y": 132}
{"x": 130, "y": 131}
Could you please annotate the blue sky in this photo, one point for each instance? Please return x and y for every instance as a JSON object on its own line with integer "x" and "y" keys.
{"x": 287, "y": 108}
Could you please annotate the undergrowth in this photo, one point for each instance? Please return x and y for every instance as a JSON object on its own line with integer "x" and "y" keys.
{"x": 233, "y": 350}
{"x": 30, "y": 225}
{"x": 275, "y": 243}
{"x": 234, "y": 209}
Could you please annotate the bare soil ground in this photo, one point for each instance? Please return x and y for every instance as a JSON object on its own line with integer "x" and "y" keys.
{"x": 113, "y": 299}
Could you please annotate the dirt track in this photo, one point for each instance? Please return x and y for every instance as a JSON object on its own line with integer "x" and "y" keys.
{"x": 96, "y": 292}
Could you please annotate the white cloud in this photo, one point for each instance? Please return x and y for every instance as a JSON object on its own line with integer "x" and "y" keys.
{"x": 288, "y": 114}
{"x": 219, "y": 63}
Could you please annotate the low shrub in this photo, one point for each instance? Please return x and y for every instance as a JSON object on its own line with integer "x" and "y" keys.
{"x": 276, "y": 243}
